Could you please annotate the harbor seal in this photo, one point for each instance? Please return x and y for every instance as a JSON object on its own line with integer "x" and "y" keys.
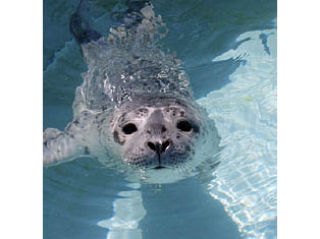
{"x": 135, "y": 109}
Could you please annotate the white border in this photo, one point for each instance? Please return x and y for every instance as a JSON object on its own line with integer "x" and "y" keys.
{"x": 21, "y": 119}
{"x": 298, "y": 119}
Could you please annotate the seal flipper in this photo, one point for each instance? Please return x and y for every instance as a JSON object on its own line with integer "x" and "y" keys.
{"x": 59, "y": 147}
{"x": 77, "y": 140}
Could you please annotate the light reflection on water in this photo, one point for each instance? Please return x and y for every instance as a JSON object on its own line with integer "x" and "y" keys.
{"x": 245, "y": 113}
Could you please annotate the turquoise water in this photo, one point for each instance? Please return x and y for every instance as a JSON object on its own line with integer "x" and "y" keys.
{"x": 229, "y": 51}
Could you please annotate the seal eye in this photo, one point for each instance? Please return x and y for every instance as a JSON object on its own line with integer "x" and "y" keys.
{"x": 184, "y": 125}
{"x": 129, "y": 128}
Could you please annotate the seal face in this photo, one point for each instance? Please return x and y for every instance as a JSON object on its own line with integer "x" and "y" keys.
{"x": 156, "y": 137}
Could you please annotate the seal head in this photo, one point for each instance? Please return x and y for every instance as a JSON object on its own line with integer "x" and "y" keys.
{"x": 156, "y": 133}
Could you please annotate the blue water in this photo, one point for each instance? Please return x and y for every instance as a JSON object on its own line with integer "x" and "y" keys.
{"x": 229, "y": 52}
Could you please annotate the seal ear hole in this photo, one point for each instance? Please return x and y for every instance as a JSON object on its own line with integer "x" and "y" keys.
{"x": 184, "y": 125}
{"x": 129, "y": 128}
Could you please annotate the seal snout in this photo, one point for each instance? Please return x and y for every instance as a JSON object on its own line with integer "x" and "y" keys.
{"x": 159, "y": 148}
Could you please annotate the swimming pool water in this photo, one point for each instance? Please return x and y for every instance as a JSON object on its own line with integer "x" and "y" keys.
{"x": 229, "y": 52}
{"x": 245, "y": 114}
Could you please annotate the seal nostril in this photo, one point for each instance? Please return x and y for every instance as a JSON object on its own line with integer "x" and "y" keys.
{"x": 157, "y": 147}
{"x": 152, "y": 146}
{"x": 165, "y": 145}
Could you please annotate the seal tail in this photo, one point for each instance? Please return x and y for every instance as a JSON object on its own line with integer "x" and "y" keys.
{"x": 82, "y": 30}
{"x": 135, "y": 24}
{"x": 85, "y": 35}
{"x": 129, "y": 17}
{"x": 80, "y": 24}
